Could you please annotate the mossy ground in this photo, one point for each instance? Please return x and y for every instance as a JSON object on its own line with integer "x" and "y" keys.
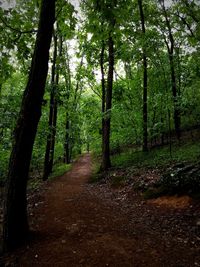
{"x": 59, "y": 169}
{"x": 133, "y": 163}
{"x": 159, "y": 157}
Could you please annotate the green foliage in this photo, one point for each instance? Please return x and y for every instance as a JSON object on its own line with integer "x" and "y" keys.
{"x": 65, "y": 19}
{"x": 96, "y": 168}
{"x": 60, "y": 169}
{"x": 158, "y": 157}
{"x": 4, "y": 158}
{"x": 10, "y": 100}
{"x": 18, "y": 28}
{"x": 34, "y": 184}
{"x": 79, "y": 91}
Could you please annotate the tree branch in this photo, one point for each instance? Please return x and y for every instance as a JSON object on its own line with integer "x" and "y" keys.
{"x": 185, "y": 23}
{"x": 17, "y": 30}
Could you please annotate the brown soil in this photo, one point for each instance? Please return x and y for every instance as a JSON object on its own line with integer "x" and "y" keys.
{"x": 176, "y": 202}
{"x": 82, "y": 224}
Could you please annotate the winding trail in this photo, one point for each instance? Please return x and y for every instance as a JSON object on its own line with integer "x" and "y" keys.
{"x": 79, "y": 224}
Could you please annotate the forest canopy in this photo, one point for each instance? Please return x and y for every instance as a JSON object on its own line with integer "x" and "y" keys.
{"x": 169, "y": 40}
{"x": 121, "y": 74}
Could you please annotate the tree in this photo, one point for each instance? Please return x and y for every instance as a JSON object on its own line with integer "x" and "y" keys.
{"x": 106, "y": 163}
{"x": 145, "y": 134}
{"x": 103, "y": 89}
{"x": 15, "y": 210}
{"x": 49, "y": 154}
{"x": 171, "y": 51}
{"x": 64, "y": 28}
{"x": 67, "y": 154}
{"x": 110, "y": 19}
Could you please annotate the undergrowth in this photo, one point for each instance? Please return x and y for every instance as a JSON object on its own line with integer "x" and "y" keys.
{"x": 161, "y": 159}
{"x": 158, "y": 157}
{"x": 178, "y": 180}
{"x": 96, "y": 168}
{"x": 59, "y": 169}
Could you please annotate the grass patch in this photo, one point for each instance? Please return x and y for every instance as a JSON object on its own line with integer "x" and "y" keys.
{"x": 59, "y": 169}
{"x": 97, "y": 175}
{"x": 34, "y": 183}
{"x": 158, "y": 157}
{"x": 178, "y": 177}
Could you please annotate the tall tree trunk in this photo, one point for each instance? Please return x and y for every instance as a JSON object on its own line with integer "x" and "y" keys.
{"x": 49, "y": 155}
{"x": 54, "y": 125}
{"x": 15, "y": 210}
{"x": 145, "y": 77}
{"x": 67, "y": 155}
{"x": 175, "y": 94}
{"x": 77, "y": 95}
{"x": 103, "y": 93}
{"x": 177, "y": 118}
{"x": 78, "y": 87}
{"x": 106, "y": 163}
{"x": 47, "y": 167}
{"x": 55, "y": 110}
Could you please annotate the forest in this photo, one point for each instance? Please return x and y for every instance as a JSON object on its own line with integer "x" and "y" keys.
{"x": 108, "y": 92}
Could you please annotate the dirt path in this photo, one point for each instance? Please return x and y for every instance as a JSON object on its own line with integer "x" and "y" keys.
{"x": 80, "y": 224}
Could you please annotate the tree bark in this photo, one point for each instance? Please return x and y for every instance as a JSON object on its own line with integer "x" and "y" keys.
{"x": 106, "y": 163}
{"x": 145, "y": 77}
{"x": 175, "y": 94}
{"x": 177, "y": 119}
{"x": 67, "y": 154}
{"x": 49, "y": 155}
{"x": 103, "y": 94}
{"x": 55, "y": 110}
{"x": 47, "y": 167}
{"x": 15, "y": 209}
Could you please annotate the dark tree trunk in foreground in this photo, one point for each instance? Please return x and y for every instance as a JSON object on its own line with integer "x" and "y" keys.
{"x": 145, "y": 77}
{"x": 106, "y": 163}
{"x": 15, "y": 212}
